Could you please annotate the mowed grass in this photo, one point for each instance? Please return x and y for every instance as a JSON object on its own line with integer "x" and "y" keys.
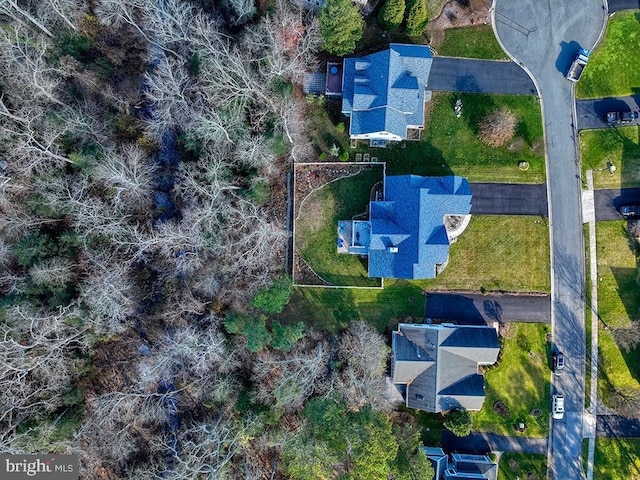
{"x": 472, "y": 42}
{"x": 613, "y": 66}
{"x": 621, "y": 146}
{"x": 521, "y": 381}
{"x": 451, "y": 145}
{"x": 316, "y": 228}
{"x": 617, "y": 459}
{"x": 518, "y": 466}
{"x": 482, "y": 259}
{"x": 618, "y": 304}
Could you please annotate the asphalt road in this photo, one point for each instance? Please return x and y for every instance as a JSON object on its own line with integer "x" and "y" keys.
{"x": 478, "y": 76}
{"x": 472, "y": 309}
{"x": 544, "y": 37}
{"x": 482, "y": 443}
{"x": 613, "y": 426}
{"x": 616, "y": 5}
{"x": 509, "y": 199}
{"x": 590, "y": 113}
{"x": 609, "y": 201}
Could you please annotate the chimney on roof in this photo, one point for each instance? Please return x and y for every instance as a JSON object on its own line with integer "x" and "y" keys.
{"x": 392, "y": 249}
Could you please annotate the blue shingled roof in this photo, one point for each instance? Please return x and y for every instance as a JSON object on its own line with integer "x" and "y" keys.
{"x": 411, "y": 218}
{"x": 384, "y": 91}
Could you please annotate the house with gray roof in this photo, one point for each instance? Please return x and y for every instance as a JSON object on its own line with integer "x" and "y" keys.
{"x": 460, "y": 466}
{"x": 405, "y": 236}
{"x": 439, "y": 364}
{"x": 384, "y": 93}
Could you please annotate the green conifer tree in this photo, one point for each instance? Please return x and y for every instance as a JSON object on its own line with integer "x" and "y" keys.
{"x": 392, "y": 14}
{"x": 341, "y": 26}
{"x": 417, "y": 19}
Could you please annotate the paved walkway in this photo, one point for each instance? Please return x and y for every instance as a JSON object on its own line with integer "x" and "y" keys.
{"x": 589, "y": 419}
{"x": 482, "y": 443}
{"x": 477, "y": 309}
{"x": 467, "y": 75}
{"x": 509, "y": 199}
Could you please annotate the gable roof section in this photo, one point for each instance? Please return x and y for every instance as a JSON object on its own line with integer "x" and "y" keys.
{"x": 411, "y": 218}
{"x": 385, "y": 91}
{"x": 439, "y": 364}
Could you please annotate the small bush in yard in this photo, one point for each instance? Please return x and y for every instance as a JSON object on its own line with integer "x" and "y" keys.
{"x": 458, "y": 422}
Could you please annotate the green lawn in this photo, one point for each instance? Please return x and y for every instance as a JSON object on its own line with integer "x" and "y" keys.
{"x": 481, "y": 259}
{"x": 617, "y": 459}
{"x": 520, "y": 466}
{"x": 472, "y": 42}
{"x": 613, "y": 66}
{"x": 618, "y": 300}
{"x": 521, "y": 381}
{"x": 316, "y": 228}
{"x": 451, "y": 145}
{"x": 621, "y": 146}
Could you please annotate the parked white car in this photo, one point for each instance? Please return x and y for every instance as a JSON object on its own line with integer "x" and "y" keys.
{"x": 557, "y": 406}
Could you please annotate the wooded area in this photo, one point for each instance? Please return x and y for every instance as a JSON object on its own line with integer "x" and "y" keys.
{"x": 143, "y": 156}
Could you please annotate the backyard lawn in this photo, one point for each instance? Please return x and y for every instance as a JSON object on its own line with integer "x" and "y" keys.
{"x": 612, "y": 69}
{"x": 621, "y": 146}
{"x": 617, "y": 459}
{"x": 618, "y": 304}
{"x": 521, "y": 381}
{"x": 481, "y": 260}
{"x": 521, "y": 466}
{"x": 316, "y": 228}
{"x": 471, "y": 42}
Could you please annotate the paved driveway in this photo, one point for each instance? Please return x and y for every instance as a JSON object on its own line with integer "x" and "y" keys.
{"x": 590, "y": 113}
{"x": 613, "y": 426}
{"x": 475, "y": 309}
{"x": 481, "y": 443}
{"x": 609, "y": 201}
{"x": 478, "y": 76}
{"x": 544, "y": 37}
{"x": 509, "y": 199}
{"x": 616, "y": 5}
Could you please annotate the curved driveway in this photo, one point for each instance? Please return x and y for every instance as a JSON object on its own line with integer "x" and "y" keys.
{"x": 543, "y": 37}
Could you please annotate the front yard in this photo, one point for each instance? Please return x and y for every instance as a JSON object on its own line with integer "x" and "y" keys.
{"x": 621, "y": 146}
{"x": 612, "y": 69}
{"x": 472, "y": 42}
{"x": 618, "y": 305}
{"x": 449, "y": 144}
{"x": 521, "y": 466}
{"x": 517, "y": 388}
{"x": 617, "y": 459}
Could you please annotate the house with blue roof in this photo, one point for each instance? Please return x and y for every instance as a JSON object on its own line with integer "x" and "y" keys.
{"x": 405, "y": 236}
{"x": 384, "y": 93}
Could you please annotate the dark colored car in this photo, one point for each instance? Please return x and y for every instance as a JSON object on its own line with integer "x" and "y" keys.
{"x": 630, "y": 211}
{"x": 614, "y": 118}
{"x": 558, "y": 362}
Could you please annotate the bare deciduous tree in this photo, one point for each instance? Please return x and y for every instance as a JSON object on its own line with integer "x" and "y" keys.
{"x": 363, "y": 353}
{"x": 498, "y": 127}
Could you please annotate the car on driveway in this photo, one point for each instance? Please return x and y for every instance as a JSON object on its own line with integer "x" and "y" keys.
{"x": 558, "y": 362}
{"x": 557, "y": 406}
{"x": 616, "y": 118}
{"x": 630, "y": 211}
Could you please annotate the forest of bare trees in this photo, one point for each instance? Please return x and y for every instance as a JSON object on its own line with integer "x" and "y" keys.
{"x": 143, "y": 156}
